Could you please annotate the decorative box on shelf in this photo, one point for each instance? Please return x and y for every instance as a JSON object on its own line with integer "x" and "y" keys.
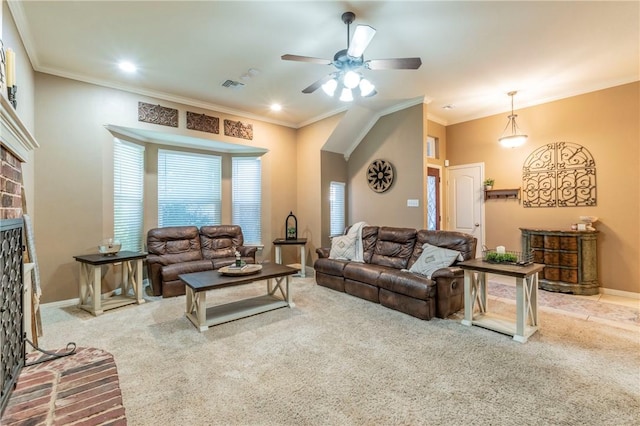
{"x": 502, "y": 193}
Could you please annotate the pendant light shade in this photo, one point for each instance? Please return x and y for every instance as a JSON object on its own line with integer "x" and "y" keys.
{"x": 511, "y": 136}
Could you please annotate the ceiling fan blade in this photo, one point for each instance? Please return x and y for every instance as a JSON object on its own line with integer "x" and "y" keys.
{"x": 360, "y": 40}
{"x": 394, "y": 64}
{"x": 306, "y": 59}
{"x": 315, "y": 86}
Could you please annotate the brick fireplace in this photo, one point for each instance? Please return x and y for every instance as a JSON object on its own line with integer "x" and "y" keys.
{"x": 10, "y": 185}
{"x": 15, "y": 144}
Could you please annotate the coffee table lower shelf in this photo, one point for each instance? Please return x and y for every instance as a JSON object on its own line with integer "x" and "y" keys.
{"x": 219, "y": 314}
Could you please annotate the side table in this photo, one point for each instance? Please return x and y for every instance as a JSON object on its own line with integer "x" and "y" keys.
{"x": 91, "y": 280}
{"x": 302, "y": 242}
{"x": 475, "y": 291}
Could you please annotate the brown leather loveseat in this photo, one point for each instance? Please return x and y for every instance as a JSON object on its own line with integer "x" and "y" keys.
{"x": 179, "y": 250}
{"x": 384, "y": 277}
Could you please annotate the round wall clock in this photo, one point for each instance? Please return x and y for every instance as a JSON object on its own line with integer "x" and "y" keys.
{"x": 380, "y": 175}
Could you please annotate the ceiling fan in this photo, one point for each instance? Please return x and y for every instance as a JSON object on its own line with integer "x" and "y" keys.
{"x": 349, "y": 61}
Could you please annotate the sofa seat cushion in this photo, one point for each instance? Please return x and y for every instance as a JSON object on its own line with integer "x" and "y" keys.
{"x": 330, "y": 266}
{"x": 171, "y": 272}
{"x": 363, "y": 272}
{"x": 408, "y": 284}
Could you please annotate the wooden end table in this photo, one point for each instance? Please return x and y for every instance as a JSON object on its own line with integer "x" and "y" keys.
{"x": 475, "y": 292}
{"x": 91, "y": 280}
{"x": 302, "y": 242}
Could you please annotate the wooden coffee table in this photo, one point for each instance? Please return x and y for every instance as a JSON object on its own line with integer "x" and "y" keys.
{"x": 197, "y": 285}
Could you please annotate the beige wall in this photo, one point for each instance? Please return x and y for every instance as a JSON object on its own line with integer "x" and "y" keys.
{"x": 397, "y": 138}
{"x": 310, "y": 140}
{"x": 334, "y": 169}
{"x": 606, "y": 123}
{"x": 74, "y": 173}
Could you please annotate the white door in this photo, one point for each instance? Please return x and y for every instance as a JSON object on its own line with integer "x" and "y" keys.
{"x": 465, "y": 212}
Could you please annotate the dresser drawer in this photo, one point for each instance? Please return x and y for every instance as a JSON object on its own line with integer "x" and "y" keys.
{"x": 537, "y": 241}
{"x": 568, "y": 243}
{"x": 551, "y": 242}
{"x": 551, "y": 258}
{"x": 569, "y": 259}
{"x": 569, "y": 275}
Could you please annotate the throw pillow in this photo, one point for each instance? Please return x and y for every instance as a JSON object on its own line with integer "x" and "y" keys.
{"x": 432, "y": 259}
{"x": 343, "y": 247}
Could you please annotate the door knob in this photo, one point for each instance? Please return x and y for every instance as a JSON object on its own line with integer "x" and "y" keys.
{"x": 477, "y": 224}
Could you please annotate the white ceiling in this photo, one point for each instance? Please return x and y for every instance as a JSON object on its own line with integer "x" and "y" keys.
{"x": 473, "y": 53}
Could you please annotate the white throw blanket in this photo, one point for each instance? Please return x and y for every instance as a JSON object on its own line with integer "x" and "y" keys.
{"x": 356, "y": 229}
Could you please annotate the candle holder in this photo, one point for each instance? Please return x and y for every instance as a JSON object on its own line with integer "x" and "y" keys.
{"x": 11, "y": 93}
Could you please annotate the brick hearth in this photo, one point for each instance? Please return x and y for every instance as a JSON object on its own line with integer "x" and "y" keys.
{"x": 80, "y": 389}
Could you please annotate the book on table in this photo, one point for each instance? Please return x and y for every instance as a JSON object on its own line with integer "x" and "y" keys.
{"x": 238, "y": 268}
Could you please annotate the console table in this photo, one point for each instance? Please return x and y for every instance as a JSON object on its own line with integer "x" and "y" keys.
{"x": 302, "y": 242}
{"x": 475, "y": 292}
{"x": 569, "y": 257}
{"x": 91, "y": 280}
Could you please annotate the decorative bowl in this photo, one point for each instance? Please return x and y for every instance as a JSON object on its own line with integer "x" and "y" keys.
{"x": 589, "y": 219}
{"x": 109, "y": 247}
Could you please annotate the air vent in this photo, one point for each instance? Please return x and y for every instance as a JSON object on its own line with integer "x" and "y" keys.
{"x": 232, "y": 84}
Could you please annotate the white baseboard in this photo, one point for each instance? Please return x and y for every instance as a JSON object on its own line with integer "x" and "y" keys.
{"x": 619, "y": 293}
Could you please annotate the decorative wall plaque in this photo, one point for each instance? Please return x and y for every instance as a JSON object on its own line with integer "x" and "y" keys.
{"x": 380, "y": 175}
{"x": 238, "y": 130}
{"x": 561, "y": 174}
{"x": 157, "y": 114}
{"x": 203, "y": 122}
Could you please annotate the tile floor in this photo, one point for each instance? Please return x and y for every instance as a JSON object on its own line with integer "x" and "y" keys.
{"x": 605, "y": 308}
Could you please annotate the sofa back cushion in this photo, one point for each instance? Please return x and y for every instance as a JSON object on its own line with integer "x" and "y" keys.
{"x": 175, "y": 243}
{"x": 220, "y": 240}
{"x": 458, "y": 241}
{"x": 394, "y": 247}
{"x": 369, "y": 240}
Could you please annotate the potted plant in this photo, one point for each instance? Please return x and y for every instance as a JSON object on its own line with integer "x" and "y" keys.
{"x": 488, "y": 184}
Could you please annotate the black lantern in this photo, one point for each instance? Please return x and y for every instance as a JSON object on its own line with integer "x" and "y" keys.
{"x": 291, "y": 227}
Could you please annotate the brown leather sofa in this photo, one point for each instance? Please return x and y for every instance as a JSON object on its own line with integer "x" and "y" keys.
{"x": 383, "y": 277}
{"x": 179, "y": 250}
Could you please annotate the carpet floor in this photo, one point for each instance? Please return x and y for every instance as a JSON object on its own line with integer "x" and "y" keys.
{"x": 335, "y": 359}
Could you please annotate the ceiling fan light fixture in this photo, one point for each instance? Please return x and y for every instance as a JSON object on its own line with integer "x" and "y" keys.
{"x": 351, "y": 79}
{"x": 366, "y": 88}
{"x": 346, "y": 95}
{"x": 516, "y": 138}
{"x": 330, "y": 87}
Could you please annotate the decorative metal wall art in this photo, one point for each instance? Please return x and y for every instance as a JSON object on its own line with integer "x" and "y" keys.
{"x": 203, "y": 122}
{"x": 561, "y": 174}
{"x": 238, "y": 130}
{"x": 157, "y": 114}
{"x": 380, "y": 175}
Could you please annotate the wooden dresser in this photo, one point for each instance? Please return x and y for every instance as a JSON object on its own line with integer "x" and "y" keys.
{"x": 569, "y": 257}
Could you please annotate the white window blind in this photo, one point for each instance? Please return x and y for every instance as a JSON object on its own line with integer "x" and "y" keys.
{"x": 128, "y": 184}
{"x": 246, "y": 197}
{"x": 189, "y": 189}
{"x": 336, "y": 206}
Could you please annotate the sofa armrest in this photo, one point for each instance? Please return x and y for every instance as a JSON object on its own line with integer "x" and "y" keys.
{"x": 323, "y": 252}
{"x": 450, "y": 290}
{"x": 448, "y": 272}
{"x": 154, "y": 272}
{"x": 248, "y": 251}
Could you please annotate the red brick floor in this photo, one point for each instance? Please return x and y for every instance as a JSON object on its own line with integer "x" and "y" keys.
{"x": 80, "y": 389}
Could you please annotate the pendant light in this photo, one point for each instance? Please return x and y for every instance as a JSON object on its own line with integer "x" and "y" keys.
{"x": 514, "y": 139}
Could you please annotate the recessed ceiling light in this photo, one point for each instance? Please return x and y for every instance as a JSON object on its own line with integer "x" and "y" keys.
{"x": 449, "y": 106}
{"x": 276, "y": 107}
{"x": 127, "y": 66}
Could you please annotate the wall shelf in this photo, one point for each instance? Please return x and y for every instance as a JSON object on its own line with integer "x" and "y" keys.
{"x": 502, "y": 193}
